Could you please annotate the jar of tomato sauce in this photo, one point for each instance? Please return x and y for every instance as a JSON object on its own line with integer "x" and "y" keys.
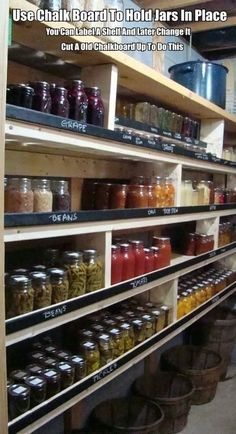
{"x": 139, "y": 256}
{"x": 190, "y": 244}
{"x": 128, "y": 261}
{"x": 137, "y": 196}
{"x": 157, "y": 253}
{"x": 165, "y": 250}
{"x": 118, "y": 196}
{"x": 116, "y": 265}
{"x": 149, "y": 260}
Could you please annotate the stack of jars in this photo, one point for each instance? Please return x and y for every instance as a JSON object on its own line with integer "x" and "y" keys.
{"x": 141, "y": 193}
{"x": 196, "y": 288}
{"x": 131, "y": 259}
{"x": 23, "y": 195}
{"x": 159, "y": 117}
{"x": 58, "y": 278}
{"x": 225, "y": 233}
{"x": 197, "y": 244}
{"x": 75, "y": 101}
{"x": 96, "y": 342}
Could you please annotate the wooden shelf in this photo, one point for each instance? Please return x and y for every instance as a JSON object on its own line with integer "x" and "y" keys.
{"x": 133, "y": 75}
{"x": 40, "y": 415}
{"x": 32, "y": 324}
{"x": 52, "y": 139}
{"x": 141, "y": 218}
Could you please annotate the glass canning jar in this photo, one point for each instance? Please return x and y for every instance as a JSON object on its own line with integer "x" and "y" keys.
{"x": 180, "y": 306}
{"x": 154, "y": 115}
{"x": 80, "y": 366}
{"x": 42, "y": 196}
{"x": 169, "y": 192}
{"x": 78, "y": 101}
{"x": 37, "y": 386}
{"x": 118, "y": 195}
{"x": 139, "y": 330}
{"x": 42, "y": 289}
{"x": 76, "y": 272}
{"x": 51, "y": 258}
{"x": 116, "y": 265}
{"x": 67, "y": 372}
{"x": 106, "y": 348}
{"x": 203, "y": 193}
{"x": 94, "y": 270}
{"x": 212, "y": 194}
{"x": 187, "y": 307}
{"x": 157, "y": 254}
{"x": 102, "y": 196}
{"x": 137, "y": 196}
{"x": 151, "y": 196}
{"x": 61, "y": 196}
{"x": 42, "y": 101}
{"x": 92, "y": 356}
{"x": 165, "y": 250}
{"x": 19, "y": 196}
{"x": 128, "y": 261}
{"x": 149, "y": 260}
{"x": 128, "y": 334}
{"x": 96, "y": 109}
{"x": 143, "y": 112}
{"x": 60, "y": 284}
{"x": 53, "y": 381}
{"x": 186, "y": 127}
{"x": 158, "y": 191}
{"x": 21, "y": 296}
{"x": 139, "y": 257}
{"x": 219, "y": 197}
{"x": 117, "y": 341}
{"x": 60, "y": 103}
{"x": 192, "y": 298}
{"x": 186, "y": 193}
{"x": 18, "y": 399}
{"x": 149, "y": 323}
{"x": 190, "y": 244}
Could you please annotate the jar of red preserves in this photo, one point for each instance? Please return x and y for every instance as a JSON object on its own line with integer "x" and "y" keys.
{"x": 102, "y": 198}
{"x": 165, "y": 250}
{"x": 219, "y": 197}
{"x": 137, "y": 196}
{"x": 118, "y": 196}
{"x": 78, "y": 101}
{"x": 96, "y": 108}
{"x": 139, "y": 256}
{"x": 116, "y": 265}
{"x": 42, "y": 101}
{"x": 149, "y": 260}
{"x": 128, "y": 261}
{"x": 60, "y": 103}
{"x": 202, "y": 244}
{"x": 190, "y": 245}
{"x": 157, "y": 254}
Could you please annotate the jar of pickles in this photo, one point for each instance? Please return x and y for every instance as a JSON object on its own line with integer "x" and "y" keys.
{"x": 128, "y": 335}
{"x": 91, "y": 355}
{"x": 80, "y": 366}
{"x": 76, "y": 271}
{"x": 19, "y": 400}
{"x": 94, "y": 270}
{"x": 37, "y": 386}
{"x": 20, "y": 296}
{"x": 60, "y": 284}
{"x": 118, "y": 341}
{"x": 169, "y": 192}
{"x": 143, "y": 112}
{"x": 139, "y": 330}
{"x": 51, "y": 258}
{"x": 67, "y": 372}
{"x": 53, "y": 381}
{"x": 137, "y": 196}
{"x": 149, "y": 323}
{"x": 106, "y": 348}
{"x": 42, "y": 289}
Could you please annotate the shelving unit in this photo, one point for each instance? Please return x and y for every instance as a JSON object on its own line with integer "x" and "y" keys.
{"x": 45, "y": 145}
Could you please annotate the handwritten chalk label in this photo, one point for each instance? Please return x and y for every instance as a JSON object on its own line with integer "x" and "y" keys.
{"x": 212, "y": 207}
{"x": 170, "y": 211}
{"x": 212, "y": 254}
{"x": 151, "y": 142}
{"x": 64, "y": 218}
{"x": 74, "y": 125}
{"x": 127, "y": 137}
{"x": 222, "y": 250}
{"x": 188, "y": 140}
{"x": 139, "y": 282}
{"x": 201, "y": 156}
{"x": 167, "y": 133}
{"x": 214, "y": 300}
{"x": 152, "y": 212}
{"x": 138, "y": 141}
{"x": 105, "y": 372}
{"x": 54, "y": 313}
{"x": 154, "y": 130}
{"x": 168, "y": 148}
{"x": 177, "y": 136}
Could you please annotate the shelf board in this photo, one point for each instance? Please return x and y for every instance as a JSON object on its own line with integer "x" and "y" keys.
{"x": 133, "y": 75}
{"x": 48, "y": 225}
{"x": 44, "y": 133}
{"x": 35, "y": 323}
{"x": 40, "y": 415}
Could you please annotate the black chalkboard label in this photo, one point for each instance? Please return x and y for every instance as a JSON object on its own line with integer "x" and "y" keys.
{"x": 166, "y": 147}
{"x": 139, "y": 282}
{"x": 68, "y": 124}
{"x": 213, "y": 208}
{"x": 170, "y": 211}
{"x": 105, "y": 372}
{"x": 54, "y": 313}
{"x": 64, "y": 218}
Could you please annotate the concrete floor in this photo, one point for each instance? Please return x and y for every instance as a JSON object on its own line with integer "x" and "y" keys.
{"x": 219, "y": 416}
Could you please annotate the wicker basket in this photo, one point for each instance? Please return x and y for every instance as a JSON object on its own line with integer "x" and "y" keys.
{"x": 200, "y": 364}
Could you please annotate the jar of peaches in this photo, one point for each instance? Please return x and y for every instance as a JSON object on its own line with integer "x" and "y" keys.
{"x": 158, "y": 191}
{"x": 169, "y": 192}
